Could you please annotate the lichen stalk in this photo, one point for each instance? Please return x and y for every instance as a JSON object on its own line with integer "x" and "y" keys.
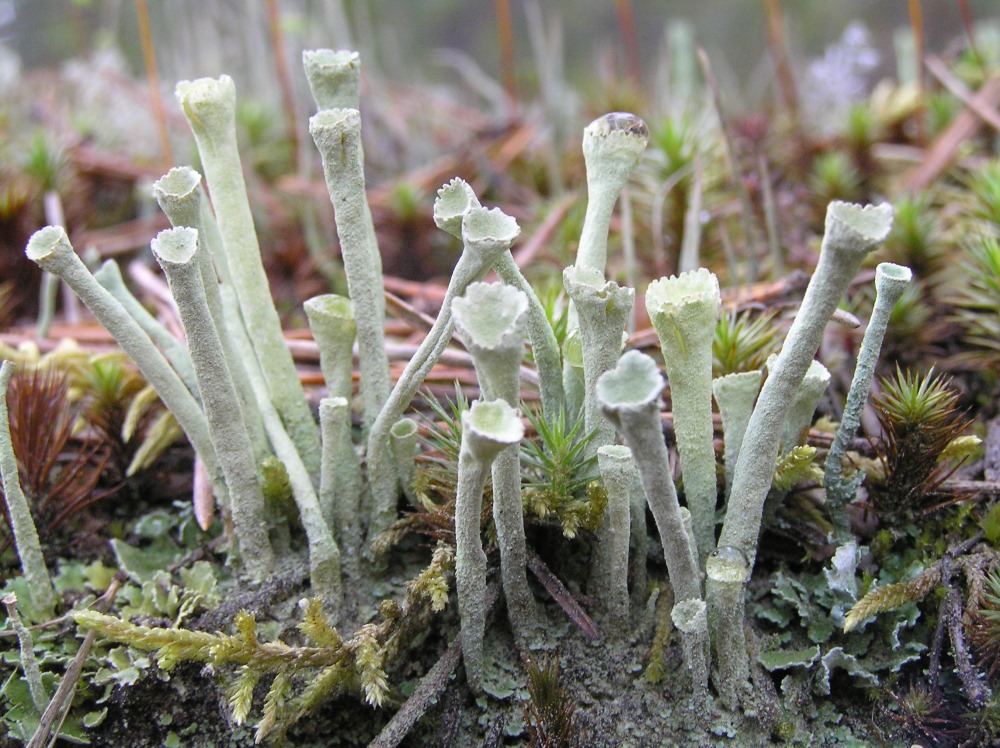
{"x": 334, "y": 328}
{"x": 491, "y": 319}
{"x": 803, "y": 407}
{"x": 340, "y": 484}
{"x": 639, "y": 539}
{"x": 727, "y": 573}
{"x": 454, "y": 200}
{"x": 210, "y": 108}
{"x": 630, "y": 396}
{"x": 612, "y": 147}
{"x": 109, "y": 275}
{"x": 852, "y": 231}
{"x": 684, "y": 310}
{"x": 50, "y": 248}
{"x": 324, "y": 553}
{"x": 603, "y": 309}
{"x": 179, "y": 194}
{"x": 890, "y": 283}
{"x": 403, "y": 443}
{"x": 334, "y": 77}
{"x": 176, "y": 250}
{"x": 487, "y": 429}
{"x": 337, "y": 133}
{"x": 486, "y": 234}
{"x": 609, "y": 569}
{"x": 691, "y": 619}
{"x": 22, "y": 525}
{"x": 735, "y": 394}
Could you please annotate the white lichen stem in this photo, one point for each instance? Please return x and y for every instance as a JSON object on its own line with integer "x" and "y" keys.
{"x": 609, "y": 569}
{"x": 603, "y": 309}
{"x": 890, "y": 283}
{"x": 612, "y": 146}
{"x": 403, "y": 443}
{"x": 176, "y": 250}
{"x": 180, "y": 196}
{"x": 334, "y": 77}
{"x": 630, "y": 397}
{"x": 727, "y": 573}
{"x": 324, "y": 553}
{"x": 22, "y": 525}
{"x": 487, "y": 429}
{"x": 852, "y": 231}
{"x": 491, "y": 320}
{"x": 210, "y": 108}
{"x": 735, "y": 394}
{"x": 340, "y": 483}
{"x": 337, "y": 133}
{"x": 331, "y": 319}
{"x": 109, "y": 275}
{"x": 691, "y": 619}
{"x": 803, "y": 407}
{"x": 29, "y": 663}
{"x": 50, "y": 248}
{"x": 684, "y": 310}
{"x": 486, "y": 234}
{"x": 455, "y": 199}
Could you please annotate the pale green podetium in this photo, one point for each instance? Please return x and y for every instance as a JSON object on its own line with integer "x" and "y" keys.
{"x": 612, "y": 147}
{"x": 727, "y": 572}
{"x": 852, "y": 231}
{"x": 454, "y": 200}
{"x": 333, "y": 326}
{"x": 609, "y": 569}
{"x": 109, "y": 275}
{"x": 602, "y": 309}
{"x": 487, "y": 429}
{"x": 684, "y": 310}
{"x": 807, "y": 398}
{"x": 50, "y": 248}
{"x": 486, "y": 234}
{"x": 334, "y": 77}
{"x": 403, "y": 442}
{"x": 735, "y": 394}
{"x": 210, "y": 108}
{"x": 176, "y": 250}
{"x": 491, "y": 320}
{"x": 337, "y": 133}
{"x": 630, "y": 396}
{"x": 29, "y": 548}
{"x": 340, "y": 483}
{"x": 890, "y": 282}
{"x": 180, "y": 196}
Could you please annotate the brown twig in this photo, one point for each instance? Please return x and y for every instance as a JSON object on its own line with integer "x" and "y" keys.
{"x": 779, "y": 54}
{"x": 943, "y": 150}
{"x": 505, "y": 35}
{"x": 430, "y": 688}
{"x": 562, "y": 596}
{"x": 955, "y": 85}
{"x": 977, "y": 692}
{"x": 63, "y": 697}
{"x": 153, "y": 81}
